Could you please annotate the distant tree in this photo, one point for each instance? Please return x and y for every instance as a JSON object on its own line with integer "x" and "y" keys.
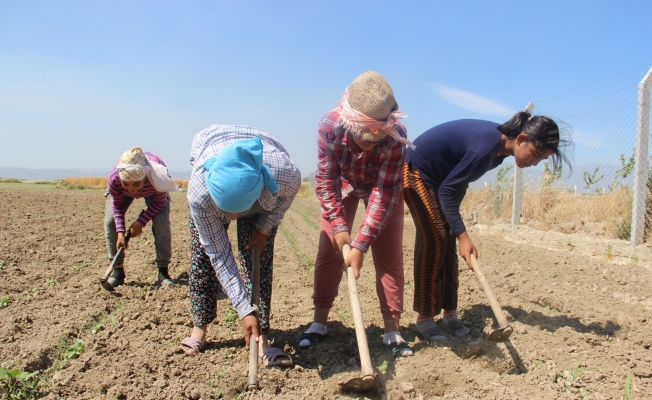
{"x": 626, "y": 168}
{"x": 550, "y": 176}
{"x": 501, "y": 188}
{"x": 592, "y": 179}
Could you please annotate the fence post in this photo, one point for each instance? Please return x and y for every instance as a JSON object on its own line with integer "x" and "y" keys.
{"x": 518, "y": 186}
{"x": 641, "y": 160}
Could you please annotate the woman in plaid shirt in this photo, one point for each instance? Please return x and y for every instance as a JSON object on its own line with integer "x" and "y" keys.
{"x": 240, "y": 174}
{"x": 361, "y": 151}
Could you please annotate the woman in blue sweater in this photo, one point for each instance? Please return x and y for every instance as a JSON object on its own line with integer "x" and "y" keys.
{"x": 435, "y": 178}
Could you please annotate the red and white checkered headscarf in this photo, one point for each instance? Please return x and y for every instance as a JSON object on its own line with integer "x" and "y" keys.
{"x": 357, "y": 122}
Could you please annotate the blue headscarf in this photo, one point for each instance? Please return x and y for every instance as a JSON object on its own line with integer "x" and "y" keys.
{"x": 235, "y": 177}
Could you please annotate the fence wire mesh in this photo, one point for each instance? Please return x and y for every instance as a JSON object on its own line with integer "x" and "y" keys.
{"x": 596, "y": 198}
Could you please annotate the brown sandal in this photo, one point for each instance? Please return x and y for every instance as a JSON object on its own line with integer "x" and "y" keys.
{"x": 191, "y": 346}
{"x": 275, "y": 357}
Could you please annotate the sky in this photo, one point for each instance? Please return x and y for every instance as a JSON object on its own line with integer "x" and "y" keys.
{"x": 83, "y": 81}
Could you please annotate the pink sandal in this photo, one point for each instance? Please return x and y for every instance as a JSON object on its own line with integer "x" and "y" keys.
{"x": 275, "y": 357}
{"x": 191, "y": 346}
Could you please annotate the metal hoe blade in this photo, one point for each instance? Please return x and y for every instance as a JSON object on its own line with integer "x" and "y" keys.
{"x": 500, "y": 335}
{"x": 359, "y": 384}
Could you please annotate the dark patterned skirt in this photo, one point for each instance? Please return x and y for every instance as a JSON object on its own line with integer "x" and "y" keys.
{"x": 435, "y": 251}
{"x": 204, "y": 286}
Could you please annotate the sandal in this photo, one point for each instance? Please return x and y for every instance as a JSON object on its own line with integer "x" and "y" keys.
{"x": 275, "y": 357}
{"x": 429, "y": 330}
{"x": 312, "y": 338}
{"x": 455, "y": 326}
{"x": 400, "y": 349}
{"x": 191, "y": 346}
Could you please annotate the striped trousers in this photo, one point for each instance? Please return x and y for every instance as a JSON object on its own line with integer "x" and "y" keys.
{"x": 436, "y": 270}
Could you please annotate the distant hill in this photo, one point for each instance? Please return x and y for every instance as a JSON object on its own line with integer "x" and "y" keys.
{"x": 55, "y": 174}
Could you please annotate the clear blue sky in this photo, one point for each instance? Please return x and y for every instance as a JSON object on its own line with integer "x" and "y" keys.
{"x": 83, "y": 81}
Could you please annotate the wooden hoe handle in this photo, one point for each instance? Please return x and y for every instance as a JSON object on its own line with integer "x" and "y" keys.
{"x": 252, "y": 380}
{"x": 361, "y": 336}
{"x": 498, "y": 312}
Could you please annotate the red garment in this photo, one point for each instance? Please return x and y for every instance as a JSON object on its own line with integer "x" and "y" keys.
{"x": 344, "y": 170}
{"x": 387, "y": 253}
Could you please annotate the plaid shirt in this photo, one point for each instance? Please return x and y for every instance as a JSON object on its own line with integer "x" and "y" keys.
{"x": 118, "y": 193}
{"x": 210, "y": 220}
{"x": 344, "y": 170}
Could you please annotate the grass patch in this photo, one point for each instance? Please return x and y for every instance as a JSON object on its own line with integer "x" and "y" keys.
{"x": 182, "y": 183}
{"x": 551, "y": 308}
{"x": 556, "y": 208}
{"x": 231, "y": 317}
{"x": 215, "y": 379}
{"x": 65, "y": 350}
{"x": 26, "y": 186}
{"x": 17, "y": 385}
{"x": 304, "y": 190}
{"x": 98, "y": 325}
{"x": 74, "y": 350}
{"x": 105, "y": 320}
{"x": 295, "y": 247}
{"x": 383, "y": 367}
{"x": 570, "y": 375}
{"x": 306, "y": 218}
{"x": 90, "y": 182}
{"x": 82, "y": 266}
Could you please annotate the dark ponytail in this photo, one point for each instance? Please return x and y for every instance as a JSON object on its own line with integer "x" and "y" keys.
{"x": 541, "y": 131}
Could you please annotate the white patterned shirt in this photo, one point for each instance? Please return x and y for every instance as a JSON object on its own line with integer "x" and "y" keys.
{"x": 210, "y": 220}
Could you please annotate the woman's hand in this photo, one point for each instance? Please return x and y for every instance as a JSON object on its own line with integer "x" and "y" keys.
{"x": 136, "y": 229}
{"x": 341, "y": 239}
{"x": 257, "y": 237}
{"x": 354, "y": 259}
{"x": 121, "y": 242}
{"x": 250, "y": 327}
{"x": 466, "y": 247}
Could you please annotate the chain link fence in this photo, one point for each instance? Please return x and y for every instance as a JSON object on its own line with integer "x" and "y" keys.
{"x": 596, "y": 197}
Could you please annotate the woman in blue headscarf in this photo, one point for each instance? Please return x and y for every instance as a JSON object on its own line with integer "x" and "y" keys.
{"x": 244, "y": 174}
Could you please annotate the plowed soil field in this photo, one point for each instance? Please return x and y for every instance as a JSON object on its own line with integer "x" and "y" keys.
{"x": 581, "y": 323}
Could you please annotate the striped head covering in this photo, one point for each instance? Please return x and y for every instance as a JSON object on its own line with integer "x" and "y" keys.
{"x": 133, "y": 165}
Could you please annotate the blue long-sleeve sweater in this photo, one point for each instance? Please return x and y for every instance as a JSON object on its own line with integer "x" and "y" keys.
{"x": 450, "y": 156}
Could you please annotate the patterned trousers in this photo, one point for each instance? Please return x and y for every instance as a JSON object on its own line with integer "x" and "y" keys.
{"x": 203, "y": 282}
{"x": 436, "y": 270}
